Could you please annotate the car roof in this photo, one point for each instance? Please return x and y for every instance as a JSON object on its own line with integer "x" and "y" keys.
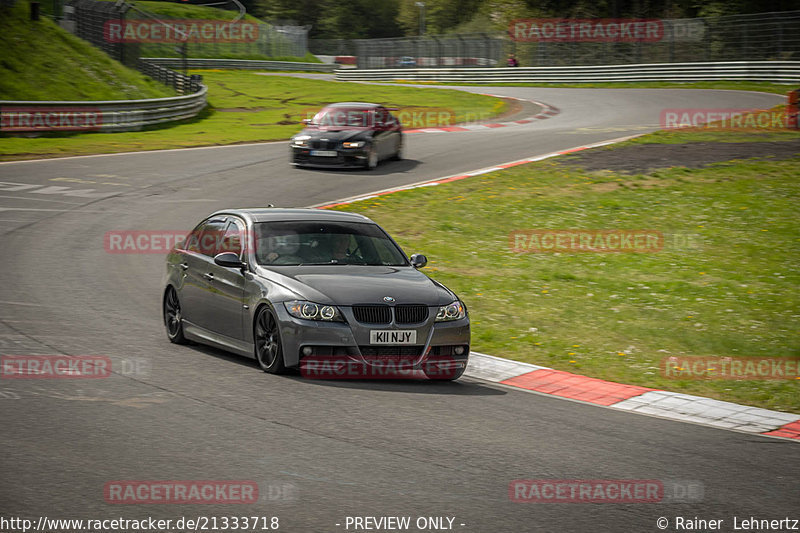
{"x": 354, "y": 104}
{"x": 275, "y": 214}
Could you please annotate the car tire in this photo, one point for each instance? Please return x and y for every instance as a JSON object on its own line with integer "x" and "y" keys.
{"x": 398, "y": 155}
{"x": 173, "y": 321}
{"x": 372, "y": 159}
{"x": 267, "y": 342}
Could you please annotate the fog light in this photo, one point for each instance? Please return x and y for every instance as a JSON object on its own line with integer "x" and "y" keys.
{"x": 458, "y": 350}
{"x": 308, "y": 350}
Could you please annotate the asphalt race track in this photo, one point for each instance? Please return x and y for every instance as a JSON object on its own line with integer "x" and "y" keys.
{"x": 320, "y": 451}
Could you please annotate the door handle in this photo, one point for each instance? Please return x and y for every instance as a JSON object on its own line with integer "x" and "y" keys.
{"x": 209, "y": 276}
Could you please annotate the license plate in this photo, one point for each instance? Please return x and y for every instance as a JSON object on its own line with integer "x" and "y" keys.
{"x": 324, "y": 153}
{"x": 393, "y": 336}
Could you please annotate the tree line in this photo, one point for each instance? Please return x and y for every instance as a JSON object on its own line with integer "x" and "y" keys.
{"x": 365, "y": 19}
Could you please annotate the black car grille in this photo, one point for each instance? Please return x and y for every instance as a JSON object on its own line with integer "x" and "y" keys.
{"x": 323, "y": 145}
{"x": 382, "y": 314}
{"x": 410, "y": 314}
{"x": 391, "y": 351}
{"x": 373, "y": 314}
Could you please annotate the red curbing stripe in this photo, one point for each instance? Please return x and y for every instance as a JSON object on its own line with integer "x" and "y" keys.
{"x": 452, "y": 178}
{"x": 498, "y": 125}
{"x": 453, "y": 128}
{"x": 471, "y": 174}
{"x": 573, "y": 386}
{"x": 515, "y": 163}
{"x": 789, "y": 431}
{"x": 578, "y": 149}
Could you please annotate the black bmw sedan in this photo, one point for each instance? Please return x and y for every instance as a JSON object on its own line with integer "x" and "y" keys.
{"x": 348, "y": 134}
{"x": 328, "y": 293}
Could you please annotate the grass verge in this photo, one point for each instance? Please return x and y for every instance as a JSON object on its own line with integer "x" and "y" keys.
{"x": 40, "y": 61}
{"x": 725, "y": 283}
{"x": 247, "y": 107}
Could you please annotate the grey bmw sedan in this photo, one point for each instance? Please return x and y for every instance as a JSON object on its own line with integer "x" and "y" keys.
{"x": 328, "y": 293}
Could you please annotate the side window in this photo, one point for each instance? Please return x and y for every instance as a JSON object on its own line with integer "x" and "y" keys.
{"x": 381, "y": 117}
{"x": 192, "y": 242}
{"x": 232, "y": 240}
{"x": 205, "y": 238}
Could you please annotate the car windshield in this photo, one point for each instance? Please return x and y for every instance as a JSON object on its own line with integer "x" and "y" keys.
{"x": 345, "y": 117}
{"x": 325, "y": 243}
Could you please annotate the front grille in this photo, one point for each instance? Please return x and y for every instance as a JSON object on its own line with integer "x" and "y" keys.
{"x": 391, "y": 351}
{"x": 323, "y": 145}
{"x": 373, "y": 314}
{"x": 410, "y": 314}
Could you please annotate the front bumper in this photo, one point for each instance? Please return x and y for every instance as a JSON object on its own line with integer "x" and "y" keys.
{"x": 440, "y": 345}
{"x": 345, "y": 158}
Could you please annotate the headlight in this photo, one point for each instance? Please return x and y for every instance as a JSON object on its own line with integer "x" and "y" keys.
{"x": 356, "y": 144}
{"x": 453, "y": 311}
{"x": 301, "y": 141}
{"x": 312, "y": 311}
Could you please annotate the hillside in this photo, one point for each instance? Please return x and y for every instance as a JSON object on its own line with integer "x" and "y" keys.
{"x": 272, "y": 46}
{"x": 40, "y": 61}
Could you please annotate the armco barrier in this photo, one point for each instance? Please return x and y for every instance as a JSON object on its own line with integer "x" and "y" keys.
{"x": 771, "y": 71}
{"x": 104, "y": 116}
{"x": 246, "y": 64}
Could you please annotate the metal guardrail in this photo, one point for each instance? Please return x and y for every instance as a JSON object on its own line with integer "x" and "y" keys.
{"x": 247, "y": 64}
{"x": 771, "y": 71}
{"x": 99, "y": 116}
{"x": 180, "y": 82}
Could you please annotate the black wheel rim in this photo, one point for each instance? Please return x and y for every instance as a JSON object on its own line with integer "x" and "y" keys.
{"x": 172, "y": 313}
{"x": 268, "y": 342}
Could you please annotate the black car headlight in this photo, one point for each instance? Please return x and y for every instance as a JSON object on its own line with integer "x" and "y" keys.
{"x": 353, "y": 144}
{"x": 301, "y": 141}
{"x": 311, "y": 311}
{"x": 453, "y": 311}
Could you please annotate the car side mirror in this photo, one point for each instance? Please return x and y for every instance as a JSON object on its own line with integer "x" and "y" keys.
{"x": 228, "y": 259}
{"x": 418, "y": 260}
{"x": 306, "y": 121}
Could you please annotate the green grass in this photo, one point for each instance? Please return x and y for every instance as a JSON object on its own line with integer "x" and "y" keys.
{"x": 731, "y": 290}
{"x": 40, "y": 61}
{"x": 763, "y": 87}
{"x": 709, "y": 134}
{"x": 265, "y": 48}
{"x": 247, "y": 107}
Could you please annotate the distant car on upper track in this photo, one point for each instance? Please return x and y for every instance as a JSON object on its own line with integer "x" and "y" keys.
{"x": 347, "y": 135}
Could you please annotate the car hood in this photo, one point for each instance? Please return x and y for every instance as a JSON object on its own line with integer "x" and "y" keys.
{"x": 338, "y": 134}
{"x": 358, "y": 284}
